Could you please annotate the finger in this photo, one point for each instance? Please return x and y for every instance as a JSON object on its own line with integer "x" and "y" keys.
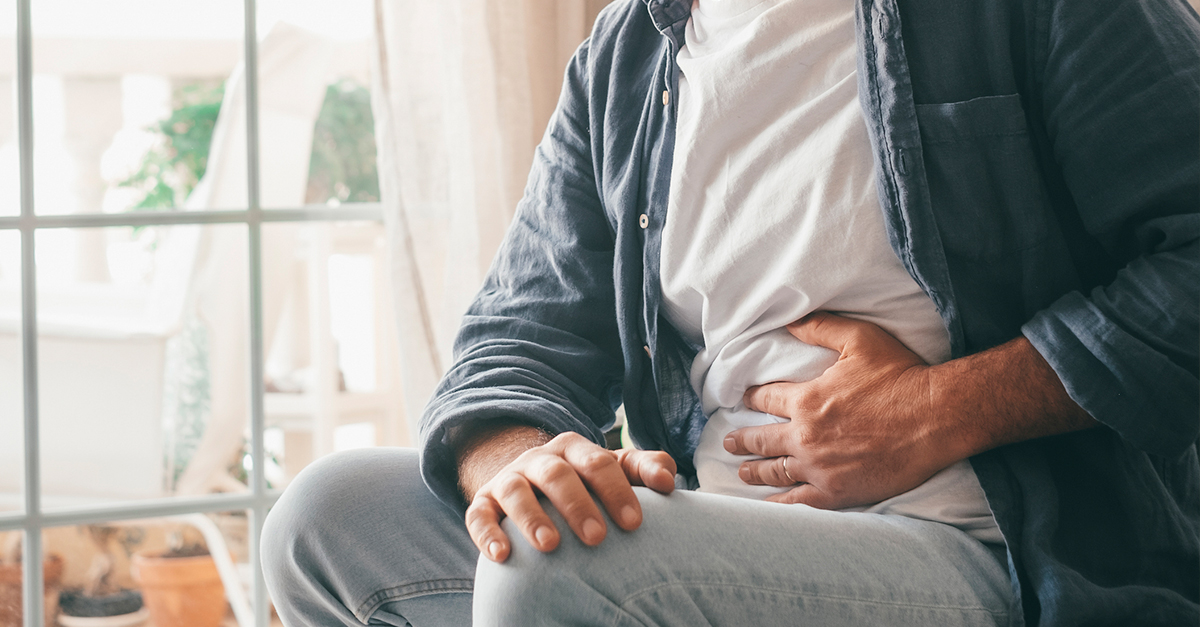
{"x": 653, "y": 469}
{"x": 806, "y": 494}
{"x": 483, "y": 524}
{"x": 603, "y": 475}
{"x": 773, "y": 471}
{"x": 822, "y": 328}
{"x": 764, "y": 441}
{"x": 559, "y": 481}
{"x": 514, "y": 495}
{"x": 786, "y": 400}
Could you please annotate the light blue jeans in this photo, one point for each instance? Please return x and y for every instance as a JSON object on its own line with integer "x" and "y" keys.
{"x": 358, "y": 539}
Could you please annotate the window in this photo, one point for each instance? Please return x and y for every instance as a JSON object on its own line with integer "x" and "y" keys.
{"x": 192, "y": 303}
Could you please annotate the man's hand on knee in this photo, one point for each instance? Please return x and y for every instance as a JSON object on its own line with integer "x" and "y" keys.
{"x": 568, "y": 470}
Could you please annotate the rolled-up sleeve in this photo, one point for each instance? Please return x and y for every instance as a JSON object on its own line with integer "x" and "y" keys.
{"x": 1122, "y": 109}
{"x": 540, "y": 343}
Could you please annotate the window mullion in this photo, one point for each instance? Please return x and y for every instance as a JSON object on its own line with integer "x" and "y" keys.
{"x": 33, "y": 583}
{"x": 253, "y": 187}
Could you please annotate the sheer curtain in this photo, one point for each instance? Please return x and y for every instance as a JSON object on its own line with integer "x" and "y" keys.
{"x": 463, "y": 91}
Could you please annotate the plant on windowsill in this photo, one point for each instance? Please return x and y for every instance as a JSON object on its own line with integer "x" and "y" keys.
{"x": 181, "y": 587}
{"x": 11, "y": 612}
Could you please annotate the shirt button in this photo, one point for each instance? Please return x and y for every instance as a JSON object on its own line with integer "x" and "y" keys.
{"x": 644, "y": 220}
{"x": 666, "y": 97}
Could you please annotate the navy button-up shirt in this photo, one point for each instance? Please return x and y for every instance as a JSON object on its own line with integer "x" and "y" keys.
{"x": 1038, "y": 166}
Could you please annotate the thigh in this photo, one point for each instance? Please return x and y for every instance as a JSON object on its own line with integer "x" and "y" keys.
{"x": 703, "y": 559}
{"x": 357, "y": 538}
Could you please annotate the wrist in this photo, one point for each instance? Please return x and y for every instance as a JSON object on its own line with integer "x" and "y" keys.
{"x": 1000, "y": 396}
{"x": 958, "y": 429}
{"x": 483, "y": 452}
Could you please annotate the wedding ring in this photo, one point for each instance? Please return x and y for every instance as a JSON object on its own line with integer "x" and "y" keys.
{"x": 785, "y": 470}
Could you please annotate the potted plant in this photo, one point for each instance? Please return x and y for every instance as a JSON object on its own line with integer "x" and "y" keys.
{"x": 181, "y": 587}
{"x": 11, "y": 608}
{"x": 101, "y": 602}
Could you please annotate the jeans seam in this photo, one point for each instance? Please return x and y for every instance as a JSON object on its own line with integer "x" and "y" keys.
{"x": 411, "y": 590}
{"x": 812, "y": 595}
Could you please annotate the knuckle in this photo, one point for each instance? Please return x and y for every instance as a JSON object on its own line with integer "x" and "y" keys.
{"x": 476, "y": 515}
{"x": 803, "y": 434}
{"x": 550, "y": 470}
{"x": 509, "y": 485}
{"x": 575, "y": 509}
{"x": 798, "y": 403}
{"x": 595, "y": 463}
{"x": 568, "y": 437}
{"x": 479, "y": 518}
{"x": 768, "y": 398}
{"x": 663, "y": 459}
{"x": 812, "y": 402}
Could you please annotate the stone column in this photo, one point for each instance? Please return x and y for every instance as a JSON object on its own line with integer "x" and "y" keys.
{"x": 92, "y": 107}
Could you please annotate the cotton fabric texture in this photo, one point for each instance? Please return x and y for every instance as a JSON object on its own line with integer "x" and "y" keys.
{"x": 773, "y": 214}
{"x": 1038, "y": 173}
{"x": 358, "y": 539}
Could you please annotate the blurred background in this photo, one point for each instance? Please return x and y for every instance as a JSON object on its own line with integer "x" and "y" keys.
{"x": 233, "y": 248}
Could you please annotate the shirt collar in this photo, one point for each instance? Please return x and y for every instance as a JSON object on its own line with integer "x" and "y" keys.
{"x": 670, "y": 18}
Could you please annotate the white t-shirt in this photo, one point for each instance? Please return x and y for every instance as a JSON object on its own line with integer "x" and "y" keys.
{"x": 773, "y": 214}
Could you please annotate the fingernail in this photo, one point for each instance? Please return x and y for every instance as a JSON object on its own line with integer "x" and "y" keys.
{"x": 730, "y": 443}
{"x": 744, "y": 473}
{"x": 494, "y": 549}
{"x": 592, "y": 531}
{"x": 544, "y": 535}
{"x": 629, "y": 515}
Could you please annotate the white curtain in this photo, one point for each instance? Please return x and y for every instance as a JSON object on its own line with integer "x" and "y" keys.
{"x": 463, "y": 91}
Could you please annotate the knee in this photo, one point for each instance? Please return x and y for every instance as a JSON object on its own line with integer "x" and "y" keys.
{"x": 323, "y": 503}
{"x": 563, "y": 587}
{"x": 518, "y": 591}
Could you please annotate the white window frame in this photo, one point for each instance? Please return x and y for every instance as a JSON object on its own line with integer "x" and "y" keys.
{"x": 32, "y": 521}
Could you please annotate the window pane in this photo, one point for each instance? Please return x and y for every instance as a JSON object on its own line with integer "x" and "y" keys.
{"x": 126, "y": 97}
{"x": 143, "y": 380}
{"x": 136, "y": 567}
{"x": 10, "y": 175}
{"x": 331, "y": 353}
{"x": 12, "y": 400}
{"x": 316, "y": 129}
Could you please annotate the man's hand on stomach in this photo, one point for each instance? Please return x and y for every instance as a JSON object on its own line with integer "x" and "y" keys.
{"x": 503, "y": 470}
{"x": 880, "y": 421}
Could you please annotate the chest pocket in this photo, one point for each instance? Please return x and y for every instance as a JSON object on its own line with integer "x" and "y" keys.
{"x": 985, "y": 188}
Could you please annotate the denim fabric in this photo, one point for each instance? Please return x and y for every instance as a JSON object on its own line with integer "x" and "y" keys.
{"x": 359, "y": 539}
{"x": 1039, "y": 174}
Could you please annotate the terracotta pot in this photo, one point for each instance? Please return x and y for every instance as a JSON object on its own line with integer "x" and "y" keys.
{"x": 180, "y": 591}
{"x": 11, "y": 612}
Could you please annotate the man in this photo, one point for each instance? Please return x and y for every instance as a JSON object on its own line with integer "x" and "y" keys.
{"x": 992, "y": 421}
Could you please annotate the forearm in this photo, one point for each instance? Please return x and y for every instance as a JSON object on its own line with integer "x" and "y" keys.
{"x": 486, "y": 451}
{"x": 1000, "y": 396}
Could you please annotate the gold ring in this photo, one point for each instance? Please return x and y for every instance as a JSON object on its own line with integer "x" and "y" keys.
{"x": 785, "y": 470}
